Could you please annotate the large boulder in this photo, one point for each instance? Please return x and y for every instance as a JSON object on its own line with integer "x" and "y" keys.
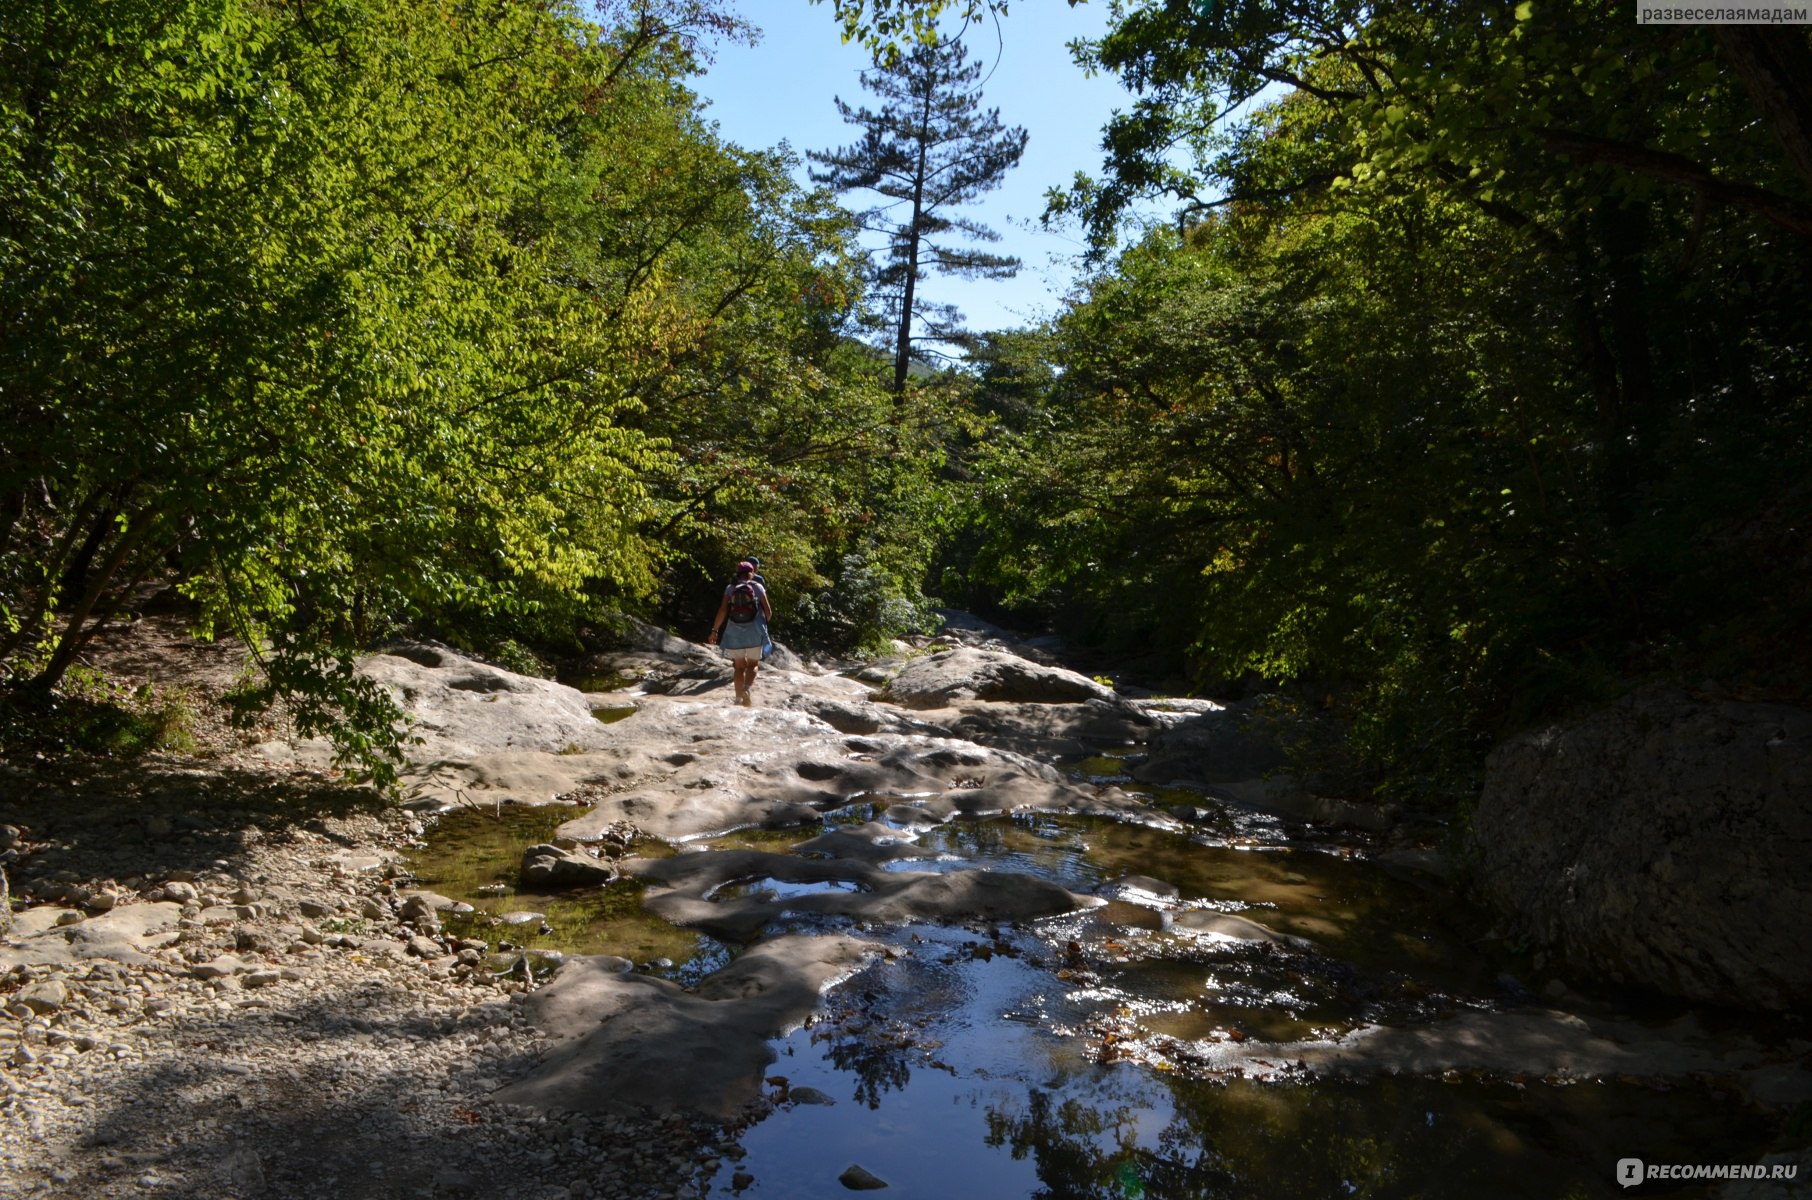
{"x": 462, "y": 707}
{"x": 940, "y": 680}
{"x": 1216, "y": 746}
{"x": 550, "y": 868}
{"x": 1661, "y": 841}
{"x": 1053, "y": 730}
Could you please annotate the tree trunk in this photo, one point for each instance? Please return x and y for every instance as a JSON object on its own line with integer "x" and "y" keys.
{"x": 53, "y": 571}
{"x": 902, "y": 354}
{"x": 76, "y": 632}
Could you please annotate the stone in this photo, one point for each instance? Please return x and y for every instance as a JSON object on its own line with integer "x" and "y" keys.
{"x": 423, "y": 947}
{"x": 1214, "y": 747}
{"x": 181, "y": 891}
{"x": 1662, "y": 841}
{"x": 315, "y": 909}
{"x": 548, "y": 866}
{"x": 259, "y": 979}
{"x": 45, "y": 997}
{"x": 219, "y": 968}
{"x": 938, "y": 680}
{"x": 159, "y": 826}
{"x": 421, "y": 906}
{"x": 464, "y": 708}
{"x": 625, "y": 1041}
{"x": 858, "y": 1178}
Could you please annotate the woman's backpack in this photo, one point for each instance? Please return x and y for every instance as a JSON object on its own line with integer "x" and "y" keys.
{"x": 745, "y": 605}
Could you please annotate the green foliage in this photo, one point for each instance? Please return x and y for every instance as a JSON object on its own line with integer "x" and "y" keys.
{"x": 93, "y": 713}
{"x": 356, "y": 319}
{"x": 1444, "y": 430}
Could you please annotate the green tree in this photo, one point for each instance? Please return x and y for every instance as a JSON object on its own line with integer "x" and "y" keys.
{"x": 929, "y": 151}
{"x": 290, "y": 316}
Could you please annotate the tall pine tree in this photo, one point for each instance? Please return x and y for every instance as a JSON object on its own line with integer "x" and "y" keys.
{"x": 929, "y": 150}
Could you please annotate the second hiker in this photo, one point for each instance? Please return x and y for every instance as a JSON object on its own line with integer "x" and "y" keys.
{"x": 740, "y": 628}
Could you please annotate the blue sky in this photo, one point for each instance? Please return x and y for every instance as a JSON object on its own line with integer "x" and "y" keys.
{"x": 782, "y": 90}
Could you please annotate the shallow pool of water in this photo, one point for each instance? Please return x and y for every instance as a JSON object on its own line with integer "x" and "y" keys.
{"x": 960, "y": 1073}
{"x": 475, "y": 855}
{"x": 1139, "y": 1047}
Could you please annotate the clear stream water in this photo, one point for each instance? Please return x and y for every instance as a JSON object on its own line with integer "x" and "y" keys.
{"x": 1082, "y": 1055}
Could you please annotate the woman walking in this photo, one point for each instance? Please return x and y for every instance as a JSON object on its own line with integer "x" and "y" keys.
{"x": 740, "y": 628}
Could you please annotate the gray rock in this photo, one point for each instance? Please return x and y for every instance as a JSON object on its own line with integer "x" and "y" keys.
{"x": 45, "y": 997}
{"x": 423, "y": 947}
{"x": 622, "y": 1041}
{"x": 548, "y": 866}
{"x": 219, "y": 968}
{"x": 1216, "y": 747}
{"x": 1660, "y": 841}
{"x": 1049, "y": 729}
{"x": 939, "y": 680}
{"x": 464, "y": 708}
{"x": 858, "y": 1178}
{"x": 1232, "y": 928}
{"x": 181, "y": 891}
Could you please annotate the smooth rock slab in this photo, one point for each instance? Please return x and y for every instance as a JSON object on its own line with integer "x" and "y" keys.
{"x": 873, "y": 894}
{"x": 941, "y": 680}
{"x": 124, "y": 934}
{"x": 624, "y": 1042}
{"x": 778, "y": 770}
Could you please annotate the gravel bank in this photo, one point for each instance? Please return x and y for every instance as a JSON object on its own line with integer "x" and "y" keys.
{"x": 242, "y": 1010}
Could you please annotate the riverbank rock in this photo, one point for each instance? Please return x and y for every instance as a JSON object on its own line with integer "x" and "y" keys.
{"x": 623, "y": 1043}
{"x": 1053, "y": 730}
{"x": 548, "y": 866}
{"x": 1661, "y": 841}
{"x": 722, "y": 768}
{"x": 775, "y": 885}
{"x": 940, "y": 680}
{"x": 1212, "y": 747}
{"x": 463, "y": 708}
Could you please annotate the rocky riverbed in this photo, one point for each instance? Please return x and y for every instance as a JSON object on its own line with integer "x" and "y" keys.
{"x": 218, "y": 985}
{"x": 227, "y": 982}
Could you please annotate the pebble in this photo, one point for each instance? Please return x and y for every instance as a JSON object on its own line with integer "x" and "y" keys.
{"x": 44, "y": 997}
{"x": 356, "y": 1048}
